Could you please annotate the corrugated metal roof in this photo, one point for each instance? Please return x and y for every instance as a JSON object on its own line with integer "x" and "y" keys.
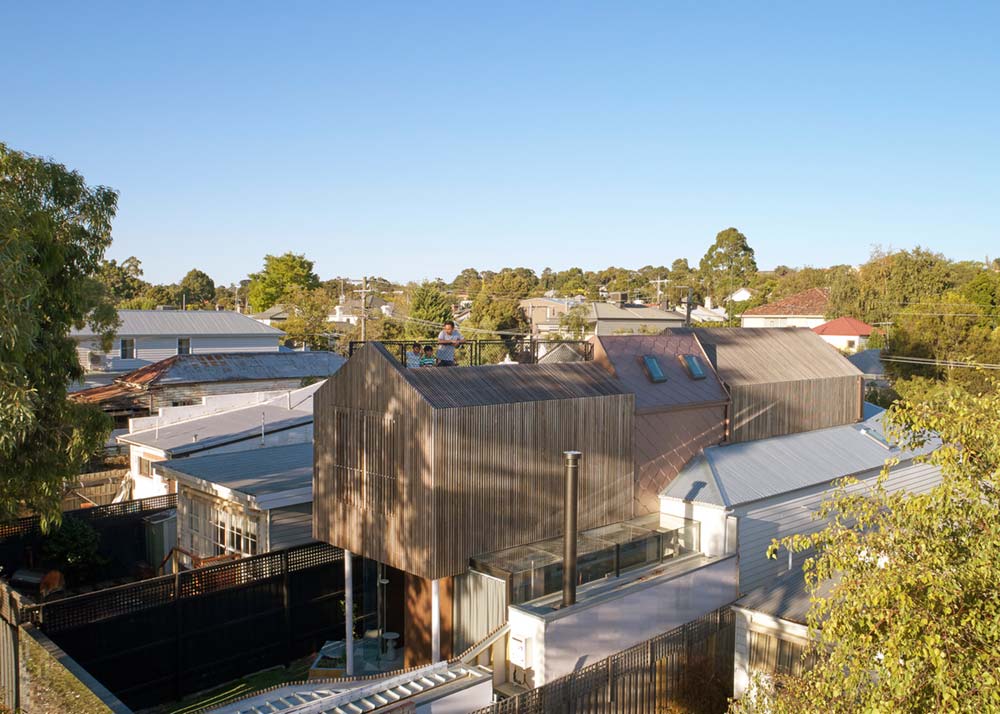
{"x": 630, "y": 311}
{"x": 735, "y": 474}
{"x": 770, "y": 354}
{"x": 623, "y": 353}
{"x": 869, "y": 362}
{"x": 785, "y": 597}
{"x": 447, "y": 387}
{"x": 184, "y": 323}
{"x": 220, "y": 428}
{"x": 256, "y": 472}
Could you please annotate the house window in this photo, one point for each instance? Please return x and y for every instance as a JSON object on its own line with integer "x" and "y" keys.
{"x": 145, "y": 467}
{"x": 653, "y": 369}
{"x": 850, "y": 344}
{"x": 213, "y": 530}
{"x": 127, "y": 348}
{"x": 183, "y": 345}
{"x": 693, "y": 366}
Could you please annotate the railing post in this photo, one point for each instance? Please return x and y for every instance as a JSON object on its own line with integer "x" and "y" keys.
{"x": 179, "y": 635}
{"x": 286, "y": 602}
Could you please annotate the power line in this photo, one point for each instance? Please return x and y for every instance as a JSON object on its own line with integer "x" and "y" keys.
{"x": 931, "y": 362}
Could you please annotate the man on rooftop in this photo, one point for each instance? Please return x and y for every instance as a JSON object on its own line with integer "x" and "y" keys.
{"x": 448, "y": 339}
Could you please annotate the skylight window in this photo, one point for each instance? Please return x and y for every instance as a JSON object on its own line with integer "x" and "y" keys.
{"x": 693, "y": 366}
{"x": 653, "y": 369}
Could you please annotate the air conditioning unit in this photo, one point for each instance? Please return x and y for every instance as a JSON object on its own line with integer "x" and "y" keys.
{"x": 161, "y": 535}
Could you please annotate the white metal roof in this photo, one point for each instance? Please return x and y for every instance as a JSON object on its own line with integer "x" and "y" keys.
{"x": 733, "y": 474}
{"x": 185, "y": 323}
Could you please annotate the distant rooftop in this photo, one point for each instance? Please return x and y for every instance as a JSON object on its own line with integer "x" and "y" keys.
{"x": 258, "y": 473}
{"x": 184, "y": 323}
{"x": 844, "y": 327}
{"x": 733, "y": 474}
{"x": 808, "y": 303}
{"x": 869, "y": 362}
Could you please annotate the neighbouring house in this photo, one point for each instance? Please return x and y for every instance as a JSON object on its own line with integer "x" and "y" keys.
{"x": 148, "y": 336}
{"x": 847, "y": 334}
{"x": 781, "y": 381}
{"x": 739, "y": 295}
{"x": 185, "y": 379}
{"x": 607, "y": 318}
{"x": 242, "y": 503}
{"x": 680, "y": 404}
{"x": 348, "y": 310}
{"x": 545, "y": 314}
{"x": 223, "y": 424}
{"x": 869, "y": 362}
{"x": 805, "y": 309}
{"x": 274, "y": 316}
{"x": 702, "y": 313}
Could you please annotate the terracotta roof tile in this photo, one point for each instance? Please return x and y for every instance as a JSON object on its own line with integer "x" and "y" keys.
{"x": 813, "y": 301}
{"x": 844, "y": 327}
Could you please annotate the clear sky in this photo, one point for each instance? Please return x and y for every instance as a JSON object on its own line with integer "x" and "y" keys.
{"x": 413, "y": 139}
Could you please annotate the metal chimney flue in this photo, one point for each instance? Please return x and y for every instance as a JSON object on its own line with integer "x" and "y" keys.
{"x": 570, "y": 507}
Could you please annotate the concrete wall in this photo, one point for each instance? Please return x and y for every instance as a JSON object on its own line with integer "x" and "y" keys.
{"x": 787, "y": 514}
{"x": 562, "y": 642}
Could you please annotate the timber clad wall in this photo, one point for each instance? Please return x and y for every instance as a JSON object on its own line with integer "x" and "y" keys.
{"x": 423, "y": 489}
{"x": 760, "y": 411}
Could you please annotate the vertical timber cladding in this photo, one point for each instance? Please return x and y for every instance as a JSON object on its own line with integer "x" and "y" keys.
{"x": 453, "y": 482}
{"x": 760, "y": 411}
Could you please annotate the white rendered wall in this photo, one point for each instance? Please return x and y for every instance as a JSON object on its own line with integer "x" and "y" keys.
{"x": 840, "y": 342}
{"x": 712, "y": 519}
{"x": 781, "y": 321}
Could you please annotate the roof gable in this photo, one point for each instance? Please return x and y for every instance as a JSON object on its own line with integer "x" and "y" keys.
{"x": 844, "y": 327}
{"x": 813, "y": 302}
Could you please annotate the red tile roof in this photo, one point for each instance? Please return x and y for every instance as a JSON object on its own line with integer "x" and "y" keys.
{"x": 844, "y": 327}
{"x": 813, "y": 301}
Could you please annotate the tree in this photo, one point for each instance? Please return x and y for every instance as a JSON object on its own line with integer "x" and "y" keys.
{"x": 575, "y": 323}
{"x": 911, "y": 620}
{"x": 467, "y": 282}
{"x": 308, "y": 317}
{"x": 727, "y": 265}
{"x": 427, "y": 304}
{"x": 54, "y": 230}
{"x": 197, "y": 287}
{"x": 279, "y": 274}
{"x": 122, "y": 281}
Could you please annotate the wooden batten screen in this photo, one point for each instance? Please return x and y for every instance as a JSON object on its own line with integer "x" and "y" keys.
{"x": 368, "y": 459}
{"x": 775, "y": 655}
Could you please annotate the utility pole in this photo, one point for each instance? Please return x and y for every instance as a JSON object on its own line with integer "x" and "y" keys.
{"x": 364, "y": 308}
{"x": 659, "y": 288}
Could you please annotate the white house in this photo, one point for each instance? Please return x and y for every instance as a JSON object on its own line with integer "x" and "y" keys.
{"x": 771, "y": 488}
{"x": 349, "y": 311}
{"x": 220, "y": 425}
{"x": 846, "y": 334}
{"x": 740, "y": 295}
{"x": 148, "y": 336}
{"x": 243, "y": 503}
{"x": 805, "y": 309}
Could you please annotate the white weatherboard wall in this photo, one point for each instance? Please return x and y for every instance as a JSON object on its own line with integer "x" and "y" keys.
{"x": 150, "y": 349}
{"x": 782, "y": 321}
{"x": 787, "y": 514}
{"x": 562, "y": 642}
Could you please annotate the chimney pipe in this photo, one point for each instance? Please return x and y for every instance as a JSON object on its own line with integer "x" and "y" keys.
{"x": 569, "y": 527}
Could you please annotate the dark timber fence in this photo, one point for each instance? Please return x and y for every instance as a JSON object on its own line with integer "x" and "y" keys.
{"x": 159, "y": 639}
{"x": 120, "y": 526}
{"x": 524, "y": 350}
{"x": 687, "y": 669}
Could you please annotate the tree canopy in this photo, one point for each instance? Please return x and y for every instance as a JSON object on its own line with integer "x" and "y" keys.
{"x": 54, "y": 229}
{"x": 197, "y": 287}
{"x": 911, "y": 622}
{"x": 728, "y": 264}
{"x": 279, "y": 274}
{"x": 428, "y": 304}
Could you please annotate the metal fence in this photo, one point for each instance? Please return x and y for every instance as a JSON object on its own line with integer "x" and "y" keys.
{"x": 523, "y": 350}
{"x": 687, "y": 669}
{"x": 157, "y": 640}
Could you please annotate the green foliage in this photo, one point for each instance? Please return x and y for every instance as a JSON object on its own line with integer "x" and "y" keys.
{"x": 428, "y": 304}
{"x": 74, "y": 549}
{"x": 280, "y": 273}
{"x": 122, "y": 281}
{"x": 497, "y": 308}
{"x": 574, "y": 323}
{"x": 911, "y": 622}
{"x": 308, "y": 315}
{"x": 728, "y": 264}
{"x": 467, "y": 282}
{"x": 54, "y": 230}
{"x": 197, "y": 287}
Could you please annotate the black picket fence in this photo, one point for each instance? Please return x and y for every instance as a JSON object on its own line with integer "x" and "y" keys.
{"x": 687, "y": 669}
{"x": 523, "y": 350}
{"x": 157, "y": 640}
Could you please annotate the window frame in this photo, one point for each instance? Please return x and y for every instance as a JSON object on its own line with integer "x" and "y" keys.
{"x": 122, "y": 353}
{"x": 186, "y": 350}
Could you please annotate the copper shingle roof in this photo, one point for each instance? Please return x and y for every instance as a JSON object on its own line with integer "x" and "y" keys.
{"x": 623, "y": 355}
{"x": 811, "y": 302}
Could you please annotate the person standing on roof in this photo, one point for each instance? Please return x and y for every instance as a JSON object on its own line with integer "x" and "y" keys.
{"x": 448, "y": 339}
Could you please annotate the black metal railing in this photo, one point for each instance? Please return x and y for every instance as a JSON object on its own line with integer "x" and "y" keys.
{"x": 523, "y": 350}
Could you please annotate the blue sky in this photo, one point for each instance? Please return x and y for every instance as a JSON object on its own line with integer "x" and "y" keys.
{"x": 413, "y": 139}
